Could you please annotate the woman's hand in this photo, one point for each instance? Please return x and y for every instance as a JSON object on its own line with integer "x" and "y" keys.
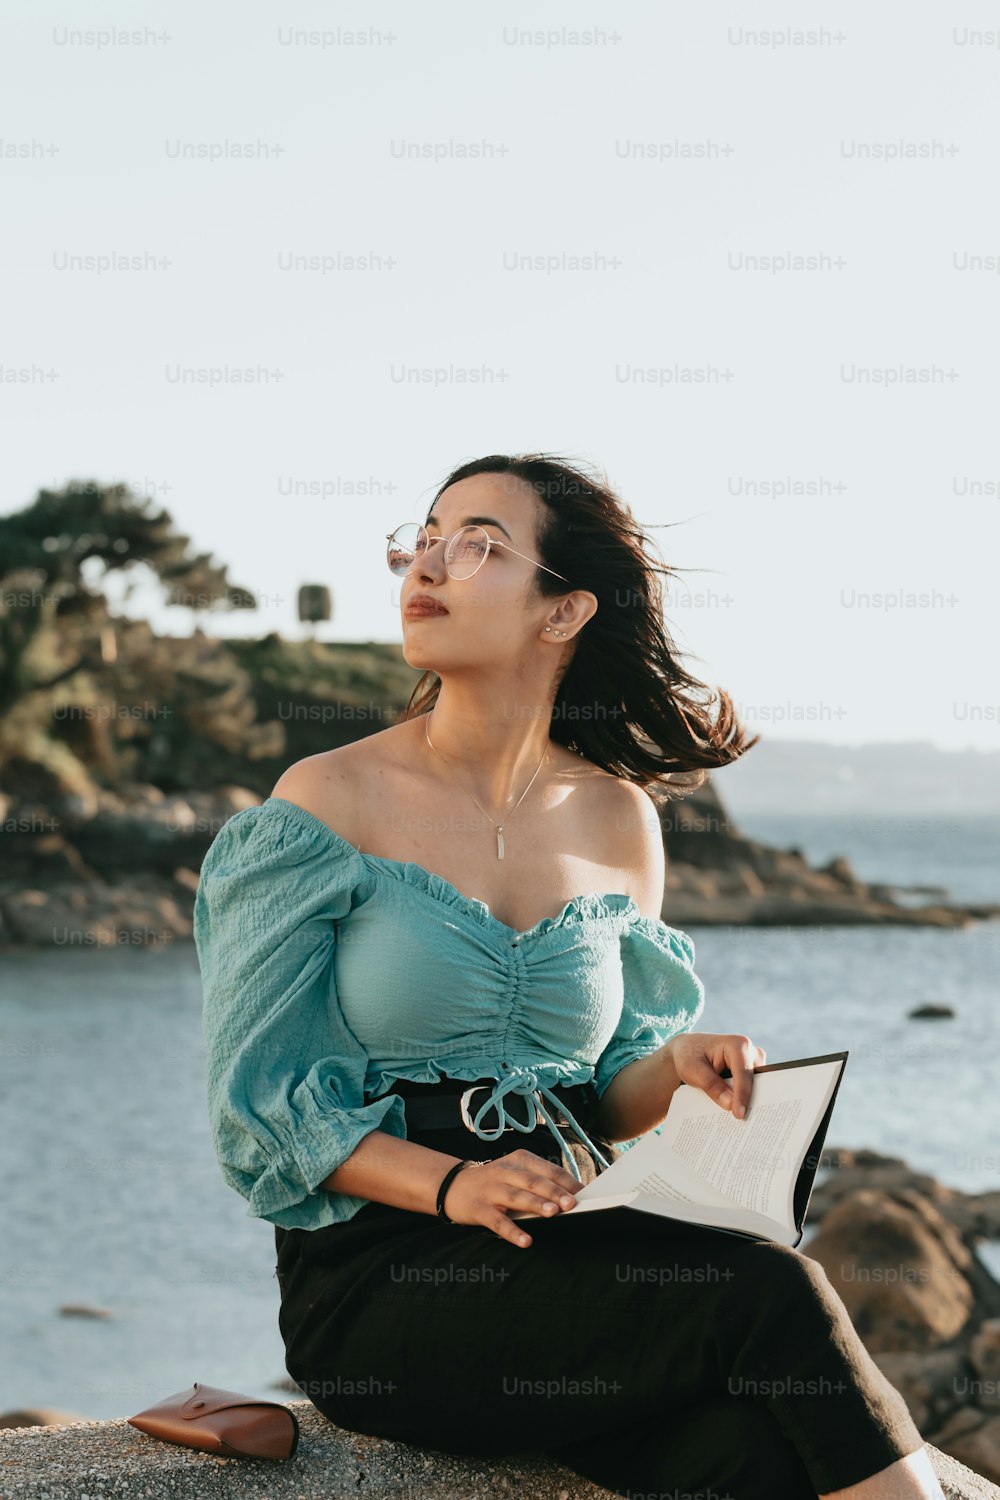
{"x": 483, "y": 1194}
{"x": 698, "y": 1055}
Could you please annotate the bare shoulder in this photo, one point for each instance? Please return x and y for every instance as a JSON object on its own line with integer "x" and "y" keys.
{"x": 636, "y": 817}
{"x": 331, "y": 784}
{"x": 637, "y": 840}
{"x": 627, "y": 812}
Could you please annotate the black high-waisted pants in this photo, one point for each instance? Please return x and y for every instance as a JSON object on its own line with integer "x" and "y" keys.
{"x": 648, "y": 1355}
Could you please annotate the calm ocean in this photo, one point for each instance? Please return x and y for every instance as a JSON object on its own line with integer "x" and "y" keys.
{"x": 113, "y": 1195}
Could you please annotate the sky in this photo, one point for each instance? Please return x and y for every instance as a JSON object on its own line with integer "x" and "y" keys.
{"x": 281, "y": 268}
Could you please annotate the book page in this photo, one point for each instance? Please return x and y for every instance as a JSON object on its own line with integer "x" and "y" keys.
{"x": 642, "y": 1169}
{"x": 755, "y": 1161}
{"x": 747, "y": 1161}
{"x": 705, "y": 1157}
{"x": 732, "y": 1218}
{"x": 649, "y": 1167}
{"x": 654, "y": 1182}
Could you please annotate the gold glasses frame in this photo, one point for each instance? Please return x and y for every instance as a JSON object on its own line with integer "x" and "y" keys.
{"x": 491, "y": 542}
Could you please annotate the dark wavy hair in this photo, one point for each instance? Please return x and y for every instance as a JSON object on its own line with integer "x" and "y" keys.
{"x": 622, "y": 699}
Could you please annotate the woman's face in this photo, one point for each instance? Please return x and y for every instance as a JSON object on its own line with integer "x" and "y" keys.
{"x": 495, "y": 616}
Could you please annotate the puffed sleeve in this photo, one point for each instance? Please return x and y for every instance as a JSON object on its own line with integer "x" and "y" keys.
{"x": 284, "y": 1074}
{"x": 663, "y": 995}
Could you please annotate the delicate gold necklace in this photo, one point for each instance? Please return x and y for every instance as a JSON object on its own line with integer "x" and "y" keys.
{"x": 517, "y": 804}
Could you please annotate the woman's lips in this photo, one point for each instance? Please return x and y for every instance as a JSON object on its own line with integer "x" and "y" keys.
{"x": 425, "y": 612}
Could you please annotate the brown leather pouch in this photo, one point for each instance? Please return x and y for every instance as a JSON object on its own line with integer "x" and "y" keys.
{"x": 223, "y": 1422}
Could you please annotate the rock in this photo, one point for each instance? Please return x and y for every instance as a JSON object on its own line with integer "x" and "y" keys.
{"x": 35, "y": 846}
{"x": 80, "y": 805}
{"x": 145, "y": 912}
{"x": 922, "y": 1012}
{"x": 976, "y": 1216}
{"x": 964, "y": 1419}
{"x": 704, "y": 885}
{"x": 858, "y": 1156}
{"x": 160, "y": 836}
{"x": 985, "y": 1209}
{"x": 900, "y": 1250}
{"x": 111, "y": 1458}
{"x": 31, "y": 780}
{"x": 929, "y": 1382}
{"x": 125, "y": 874}
{"x": 286, "y": 1383}
{"x": 38, "y": 1416}
{"x": 887, "y": 1175}
{"x": 978, "y": 1448}
{"x": 839, "y": 868}
{"x": 902, "y": 1270}
{"x": 749, "y": 881}
{"x": 984, "y": 1353}
{"x": 753, "y": 884}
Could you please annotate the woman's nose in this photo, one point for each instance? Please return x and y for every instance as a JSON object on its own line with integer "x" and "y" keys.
{"x": 430, "y": 563}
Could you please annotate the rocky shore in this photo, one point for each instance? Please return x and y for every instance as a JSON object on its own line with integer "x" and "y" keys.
{"x": 106, "y": 869}
{"x": 101, "y": 868}
{"x": 901, "y": 1249}
{"x": 716, "y": 875}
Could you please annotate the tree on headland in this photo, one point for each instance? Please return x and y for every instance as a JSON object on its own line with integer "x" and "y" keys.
{"x": 89, "y": 696}
{"x": 44, "y": 551}
{"x": 77, "y": 682}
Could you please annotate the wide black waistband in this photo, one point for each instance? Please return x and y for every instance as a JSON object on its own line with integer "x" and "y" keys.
{"x": 436, "y": 1106}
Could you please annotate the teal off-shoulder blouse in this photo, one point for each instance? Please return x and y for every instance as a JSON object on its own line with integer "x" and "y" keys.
{"x": 328, "y": 974}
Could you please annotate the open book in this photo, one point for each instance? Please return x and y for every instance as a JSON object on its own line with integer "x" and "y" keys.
{"x": 751, "y": 1177}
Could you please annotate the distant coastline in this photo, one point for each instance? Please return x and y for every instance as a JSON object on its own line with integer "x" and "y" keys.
{"x": 912, "y": 779}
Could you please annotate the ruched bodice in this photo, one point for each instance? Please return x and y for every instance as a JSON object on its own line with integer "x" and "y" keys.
{"x": 329, "y": 974}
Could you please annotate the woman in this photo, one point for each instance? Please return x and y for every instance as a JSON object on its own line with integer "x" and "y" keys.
{"x": 402, "y": 979}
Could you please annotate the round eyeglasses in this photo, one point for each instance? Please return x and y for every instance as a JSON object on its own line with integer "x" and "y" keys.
{"x": 464, "y": 554}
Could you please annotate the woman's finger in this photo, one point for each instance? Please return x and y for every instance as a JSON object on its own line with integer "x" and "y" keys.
{"x": 741, "y": 1058}
{"x": 700, "y": 1074}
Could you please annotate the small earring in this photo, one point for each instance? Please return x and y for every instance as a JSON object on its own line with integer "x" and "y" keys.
{"x": 558, "y": 632}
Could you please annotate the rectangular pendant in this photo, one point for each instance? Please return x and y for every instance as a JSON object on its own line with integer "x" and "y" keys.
{"x": 499, "y": 844}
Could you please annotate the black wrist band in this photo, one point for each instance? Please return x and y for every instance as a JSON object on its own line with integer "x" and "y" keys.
{"x": 446, "y": 1184}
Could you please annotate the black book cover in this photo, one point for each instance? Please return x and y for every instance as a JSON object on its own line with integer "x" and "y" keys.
{"x": 810, "y": 1164}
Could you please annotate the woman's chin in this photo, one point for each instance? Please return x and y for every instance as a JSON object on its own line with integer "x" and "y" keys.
{"x": 416, "y": 657}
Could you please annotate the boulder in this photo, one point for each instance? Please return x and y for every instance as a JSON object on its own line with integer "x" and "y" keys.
{"x": 976, "y": 1216}
{"x": 984, "y": 1353}
{"x": 900, "y": 1248}
{"x": 929, "y": 1382}
{"x": 977, "y": 1445}
{"x": 146, "y": 912}
{"x": 38, "y": 1416}
{"x": 118, "y": 869}
{"x": 84, "y": 1460}
{"x": 901, "y": 1269}
{"x": 142, "y": 835}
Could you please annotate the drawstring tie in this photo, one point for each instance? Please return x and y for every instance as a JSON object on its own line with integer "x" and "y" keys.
{"x": 525, "y": 1082}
